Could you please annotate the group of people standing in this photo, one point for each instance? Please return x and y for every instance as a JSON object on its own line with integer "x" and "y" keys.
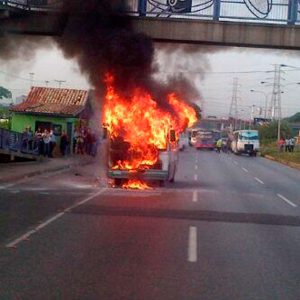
{"x": 47, "y": 142}
{"x": 43, "y": 141}
{"x": 287, "y": 144}
{"x": 85, "y": 141}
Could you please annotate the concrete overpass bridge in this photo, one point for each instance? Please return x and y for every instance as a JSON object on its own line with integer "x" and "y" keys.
{"x": 247, "y": 23}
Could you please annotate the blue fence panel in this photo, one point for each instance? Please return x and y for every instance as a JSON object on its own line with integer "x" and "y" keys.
{"x": 258, "y": 11}
{"x": 18, "y": 142}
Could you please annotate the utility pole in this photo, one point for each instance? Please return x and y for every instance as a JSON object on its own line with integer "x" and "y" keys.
{"x": 31, "y": 75}
{"x": 233, "y": 112}
{"x": 276, "y": 99}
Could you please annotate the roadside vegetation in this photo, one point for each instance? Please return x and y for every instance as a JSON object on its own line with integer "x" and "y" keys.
{"x": 268, "y": 135}
{"x": 4, "y": 117}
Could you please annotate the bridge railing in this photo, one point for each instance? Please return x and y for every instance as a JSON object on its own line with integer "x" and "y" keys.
{"x": 33, "y": 4}
{"x": 18, "y": 142}
{"x": 257, "y": 11}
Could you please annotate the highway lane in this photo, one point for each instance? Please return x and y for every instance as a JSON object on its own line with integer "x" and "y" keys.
{"x": 282, "y": 179}
{"x": 211, "y": 235}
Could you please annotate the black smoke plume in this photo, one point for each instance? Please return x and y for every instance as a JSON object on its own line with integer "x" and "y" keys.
{"x": 100, "y": 36}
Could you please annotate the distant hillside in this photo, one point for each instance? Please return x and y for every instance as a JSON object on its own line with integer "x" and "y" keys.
{"x": 294, "y": 119}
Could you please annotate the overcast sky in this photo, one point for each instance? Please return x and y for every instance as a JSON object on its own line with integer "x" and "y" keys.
{"x": 212, "y": 70}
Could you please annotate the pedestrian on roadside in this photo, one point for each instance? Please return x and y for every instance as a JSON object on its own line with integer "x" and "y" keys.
{"x": 287, "y": 144}
{"x": 75, "y": 136}
{"x": 292, "y": 144}
{"x": 39, "y": 140}
{"x": 46, "y": 140}
{"x": 281, "y": 144}
{"x": 80, "y": 142}
{"x": 63, "y": 143}
{"x": 52, "y": 142}
{"x": 219, "y": 145}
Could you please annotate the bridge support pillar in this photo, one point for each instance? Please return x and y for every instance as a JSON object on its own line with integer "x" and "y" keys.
{"x": 217, "y": 9}
{"x": 142, "y": 8}
{"x": 292, "y": 12}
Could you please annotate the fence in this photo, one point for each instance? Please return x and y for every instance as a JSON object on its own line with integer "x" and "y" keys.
{"x": 33, "y": 4}
{"x": 16, "y": 142}
{"x": 262, "y": 11}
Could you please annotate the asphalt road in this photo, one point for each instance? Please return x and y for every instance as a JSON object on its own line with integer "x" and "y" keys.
{"x": 228, "y": 228}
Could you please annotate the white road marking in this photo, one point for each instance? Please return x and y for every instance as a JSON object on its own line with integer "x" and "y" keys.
{"x": 196, "y": 177}
{"x": 286, "y": 200}
{"x": 235, "y": 162}
{"x": 244, "y": 169}
{"x": 196, "y": 167}
{"x": 25, "y": 236}
{"x": 258, "y": 180}
{"x": 192, "y": 247}
{"x": 195, "y": 196}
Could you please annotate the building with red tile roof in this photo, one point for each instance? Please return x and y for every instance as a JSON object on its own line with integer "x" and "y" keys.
{"x": 58, "y": 109}
{"x": 53, "y": 101}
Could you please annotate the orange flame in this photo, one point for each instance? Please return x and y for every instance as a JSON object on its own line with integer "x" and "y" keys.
{"x": 142, "y": 126}
{"x": 136, "y": 184}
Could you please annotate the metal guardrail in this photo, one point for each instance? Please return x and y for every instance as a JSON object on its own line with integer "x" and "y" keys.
{"x": 258, "y": 11}
{"x": 262, "y": 11}
{"x": 41, "y": 5}
{"x": 16, "y": 142}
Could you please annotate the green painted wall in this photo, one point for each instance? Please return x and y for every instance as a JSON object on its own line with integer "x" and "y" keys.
{"x": 21, "y": 121}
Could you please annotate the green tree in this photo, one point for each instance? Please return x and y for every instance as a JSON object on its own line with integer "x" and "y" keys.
{"x": 268, "y": 132}
{"x": 5, "y": 93}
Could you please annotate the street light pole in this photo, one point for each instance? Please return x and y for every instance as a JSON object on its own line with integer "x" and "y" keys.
{"x": 266, "y": 100}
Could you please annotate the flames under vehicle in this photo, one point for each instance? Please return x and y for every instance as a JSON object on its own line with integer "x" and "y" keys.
{"x": 162, "y": 171}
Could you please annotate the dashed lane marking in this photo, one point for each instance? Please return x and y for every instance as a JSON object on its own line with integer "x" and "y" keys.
{"x": 286, "y": 200}
{"x": 25, "y": 236}
{"x": 244, "y": 169}
{"x": 235, "y": 162}
{"x": 196, "y": 167}
{"x": 192, "y": 246}
{"x": 258, "y": 180}
{"x": 196, "y": 177}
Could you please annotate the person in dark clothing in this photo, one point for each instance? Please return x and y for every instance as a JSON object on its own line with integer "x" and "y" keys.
{"x": 39, "y": 140}
{"x": 63, "y": 143}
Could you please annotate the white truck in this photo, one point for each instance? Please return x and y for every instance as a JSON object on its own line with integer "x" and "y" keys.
{"x": 245, "y": 141}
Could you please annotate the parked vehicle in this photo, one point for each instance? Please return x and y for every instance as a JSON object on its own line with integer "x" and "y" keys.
{"x": 245, "y": 141}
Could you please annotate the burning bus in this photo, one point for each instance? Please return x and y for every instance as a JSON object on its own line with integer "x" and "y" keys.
{"x": 143, "y": 137}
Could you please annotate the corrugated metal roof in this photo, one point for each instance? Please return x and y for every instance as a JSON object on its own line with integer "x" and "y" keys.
{"x": 53, "y": 101}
